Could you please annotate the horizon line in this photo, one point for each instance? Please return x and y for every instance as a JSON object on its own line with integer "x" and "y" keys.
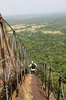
{"x": 55, "y": 13}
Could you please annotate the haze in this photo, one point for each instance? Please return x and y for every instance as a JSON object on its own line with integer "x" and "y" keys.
{"x": 22, "y": 7}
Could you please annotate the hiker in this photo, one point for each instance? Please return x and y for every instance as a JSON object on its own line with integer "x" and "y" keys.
{"x": 32, "y": 67}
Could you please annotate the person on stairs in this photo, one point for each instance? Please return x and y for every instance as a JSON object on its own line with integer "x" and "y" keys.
{"x": 32, "y": 67}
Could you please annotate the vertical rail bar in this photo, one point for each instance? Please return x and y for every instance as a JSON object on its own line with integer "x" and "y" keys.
{"x": 45, "y": 76}
{"x": 10, "y": 92}
{"x": 3, "y": 57}
{"x": 43, "y": 73}
{"x": 20, "y": 58}
{"x": 16, "y": 64}
{"x": 49, "y": 83}
{"x": 59, "y": 89}
{"x": 4, "y": 74}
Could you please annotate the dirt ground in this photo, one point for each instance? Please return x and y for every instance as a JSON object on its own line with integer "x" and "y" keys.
{"x": 30, "y": 89}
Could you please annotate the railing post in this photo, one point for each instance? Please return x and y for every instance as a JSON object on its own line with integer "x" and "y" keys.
{"x": 21, "y": 76}
{"x": 4, "y": 74}
{"x": 20, "y": 67}
{"x": 59, "y": 89}
{"x": 43, "y": 73}
{"x": 24, "y": 73}
{"x": 45, "y": 77}
{"x": 17, "y": 89}
{"x": 2, "y": 37}
{"x": 16, "y": 65}
{"x": 11, "y": 93}
{"x": 49, "y": 83}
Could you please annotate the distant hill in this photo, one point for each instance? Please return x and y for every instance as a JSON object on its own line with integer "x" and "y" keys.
{"x": 32, "y": 19}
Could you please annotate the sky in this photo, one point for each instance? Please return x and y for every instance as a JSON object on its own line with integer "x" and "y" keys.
{"x": 22, "y": 7}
